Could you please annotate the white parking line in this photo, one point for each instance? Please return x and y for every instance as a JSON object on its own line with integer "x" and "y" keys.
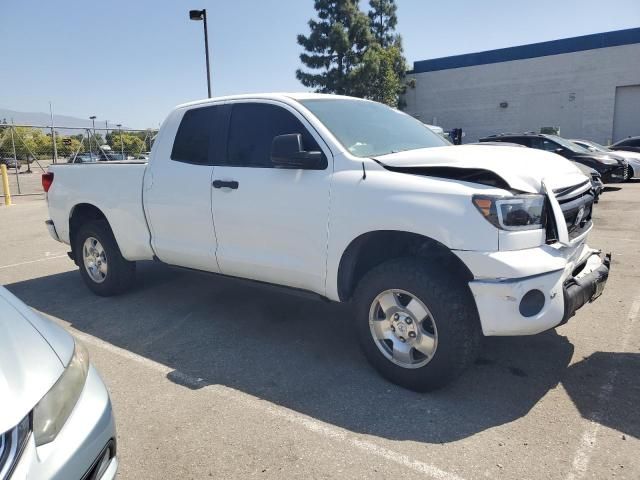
{"x": 329, "y": 431}
{"x": 590, "y": 435}
{"x": 47, "y": 257}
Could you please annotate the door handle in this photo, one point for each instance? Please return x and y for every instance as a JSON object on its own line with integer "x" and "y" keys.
{"x": 225, "y": 184}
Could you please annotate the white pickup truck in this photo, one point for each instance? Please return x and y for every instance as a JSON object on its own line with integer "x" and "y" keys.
{"x": 434, "y": 245}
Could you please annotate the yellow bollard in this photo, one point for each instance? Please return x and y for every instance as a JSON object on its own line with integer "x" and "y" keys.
{"x": 5, "y": 185}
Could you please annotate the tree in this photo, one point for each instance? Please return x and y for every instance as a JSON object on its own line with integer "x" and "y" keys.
{"x": 335, "y": 46}
{"x": 381, "y": 76}
{"x": 383, "y": 19}
{"x": 132, "y": 144}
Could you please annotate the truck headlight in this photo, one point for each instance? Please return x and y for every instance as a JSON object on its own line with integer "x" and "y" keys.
{"x": 51, "y": 413}
{"x": 518, "y": 212}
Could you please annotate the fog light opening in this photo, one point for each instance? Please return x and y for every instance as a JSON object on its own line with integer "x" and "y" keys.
{"x": 532, "y": 303}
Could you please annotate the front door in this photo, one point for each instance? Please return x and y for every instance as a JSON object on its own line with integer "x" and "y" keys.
{"x": 271, "y": 223}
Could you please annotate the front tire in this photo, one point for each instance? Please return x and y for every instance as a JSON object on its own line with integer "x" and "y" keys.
{"x": 102, "y": 267}
{"x": 417, "y": 324}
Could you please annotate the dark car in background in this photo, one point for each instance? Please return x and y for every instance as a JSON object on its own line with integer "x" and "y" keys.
{"x": 612, "y": 168}
{"x": 11, "y": 163}
{"x": 630, "y": 144}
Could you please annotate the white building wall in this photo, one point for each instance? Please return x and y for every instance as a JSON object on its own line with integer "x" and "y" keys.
{"x": 573, "y": 91}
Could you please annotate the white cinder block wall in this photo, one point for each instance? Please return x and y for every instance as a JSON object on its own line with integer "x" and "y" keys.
{"x": 574, "y": 91}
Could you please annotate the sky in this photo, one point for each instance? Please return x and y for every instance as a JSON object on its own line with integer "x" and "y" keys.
{"x": 131, "y": 61}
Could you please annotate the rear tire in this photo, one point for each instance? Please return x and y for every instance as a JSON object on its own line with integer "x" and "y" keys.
{"x": 420, "y": 354}
{"x": 102, "y": 267}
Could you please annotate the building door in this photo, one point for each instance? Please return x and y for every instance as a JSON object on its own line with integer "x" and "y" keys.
{"x": 626, "y": 116}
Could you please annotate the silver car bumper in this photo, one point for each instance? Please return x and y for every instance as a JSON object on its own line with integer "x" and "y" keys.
{"x": 85, "y": 444}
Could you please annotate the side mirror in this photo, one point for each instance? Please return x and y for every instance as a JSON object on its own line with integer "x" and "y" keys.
{"x": 287, "y": 151}
{"x": 559, "y": 151}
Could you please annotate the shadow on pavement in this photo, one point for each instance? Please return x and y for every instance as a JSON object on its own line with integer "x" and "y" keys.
{"x": 299, "y": 353}
{"x": 591, "y": 384}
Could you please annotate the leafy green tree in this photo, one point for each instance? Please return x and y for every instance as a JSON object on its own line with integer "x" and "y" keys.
{"x": 381, "y": 76}
{"x": 383, "y": 20}
{"x": 132, "y": 144}
{"x": 353, "y": 53}
{"x": 67, "y": 145}
{"x": 335, "y": 47}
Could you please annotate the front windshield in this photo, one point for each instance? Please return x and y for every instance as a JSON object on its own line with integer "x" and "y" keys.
{"x": 575, "y": 148}
{"x": 370, "y": 129}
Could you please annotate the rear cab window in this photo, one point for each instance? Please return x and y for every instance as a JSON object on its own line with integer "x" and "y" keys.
{"x": 193, "y": 142}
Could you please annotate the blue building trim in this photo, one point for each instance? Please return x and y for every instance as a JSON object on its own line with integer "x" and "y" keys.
{"x": 542, "y": 49}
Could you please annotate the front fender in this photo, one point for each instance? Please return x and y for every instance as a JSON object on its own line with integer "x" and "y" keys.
{"x": 439, "y": 209}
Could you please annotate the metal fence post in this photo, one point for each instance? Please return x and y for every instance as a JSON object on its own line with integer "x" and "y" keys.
{"x": 53, "y": 136}
{"x": 15, "y": 157}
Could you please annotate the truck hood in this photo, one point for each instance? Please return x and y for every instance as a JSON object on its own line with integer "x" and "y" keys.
{"x": 522, "y": 169}
{"x": 28, "y": 364}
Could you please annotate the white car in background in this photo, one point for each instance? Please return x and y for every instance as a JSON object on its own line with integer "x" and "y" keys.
{"x": 56, "y": 420}
{"x": 632, "y": 158}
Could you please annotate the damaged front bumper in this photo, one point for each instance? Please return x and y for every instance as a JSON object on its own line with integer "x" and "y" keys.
{"x": 586, "y": 285}
{"x": 552, "y": 285}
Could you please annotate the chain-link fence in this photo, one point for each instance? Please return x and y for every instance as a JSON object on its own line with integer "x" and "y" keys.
{"x": 27, "y": 150}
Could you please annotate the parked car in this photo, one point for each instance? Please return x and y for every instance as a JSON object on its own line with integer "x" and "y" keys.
{"x": 612, "y": 168}
{"x": 11, "y": 163}
{"x": 56, "y": 419}
{"x": 99, "y": 156}
{"x": 83, "y": 157}
{"x": 632, "y": 158}
{"x": 630, "y": 144}
{"x": 596, "y": 178}
{"x": 353, "y": 201}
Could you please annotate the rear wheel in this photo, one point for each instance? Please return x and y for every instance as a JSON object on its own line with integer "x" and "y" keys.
{"x": 417, "y": 325}
{"x": 103, "y": 268}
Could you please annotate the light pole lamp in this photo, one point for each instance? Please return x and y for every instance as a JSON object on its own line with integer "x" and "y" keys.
{"x": 198, "y": 15}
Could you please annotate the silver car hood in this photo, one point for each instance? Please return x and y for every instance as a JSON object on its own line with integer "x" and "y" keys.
{"x": 523, "y": 169}
{"x": 29, "y": 366}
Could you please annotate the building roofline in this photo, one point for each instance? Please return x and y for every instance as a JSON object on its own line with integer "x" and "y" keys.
{"x": 533, "y": 50}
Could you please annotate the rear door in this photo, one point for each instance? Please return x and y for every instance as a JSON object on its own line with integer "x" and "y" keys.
{"x": 177, "y": 190}
{"x": 271, "y": 223}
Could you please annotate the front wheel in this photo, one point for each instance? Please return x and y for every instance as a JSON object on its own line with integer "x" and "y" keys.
{"x": 103, "y": 268}
{"x": 417, "y": 325}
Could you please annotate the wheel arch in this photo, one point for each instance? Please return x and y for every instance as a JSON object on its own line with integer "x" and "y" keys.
{"x": 78, "y": 216}
{"x": 373, "y": 248}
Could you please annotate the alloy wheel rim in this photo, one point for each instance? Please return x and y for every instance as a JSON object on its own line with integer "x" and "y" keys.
{"x": 403, "y": 328}
{"x": 95, "y": 259}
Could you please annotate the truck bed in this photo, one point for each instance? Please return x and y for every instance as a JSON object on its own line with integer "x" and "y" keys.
{"x": 113, "y": 187}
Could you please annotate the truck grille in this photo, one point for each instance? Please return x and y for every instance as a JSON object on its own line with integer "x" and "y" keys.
{"x": 11, "y": 445}
{"x": 576, "y": 203}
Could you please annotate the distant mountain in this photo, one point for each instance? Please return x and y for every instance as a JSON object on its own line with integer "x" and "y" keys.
{"x": 44, "y": 119}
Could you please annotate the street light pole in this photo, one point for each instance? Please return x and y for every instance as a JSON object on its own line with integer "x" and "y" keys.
{"x": 202, "y": 15}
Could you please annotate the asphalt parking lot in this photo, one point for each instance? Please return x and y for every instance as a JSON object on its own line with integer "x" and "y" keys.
{"x": 210, "y": 377}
